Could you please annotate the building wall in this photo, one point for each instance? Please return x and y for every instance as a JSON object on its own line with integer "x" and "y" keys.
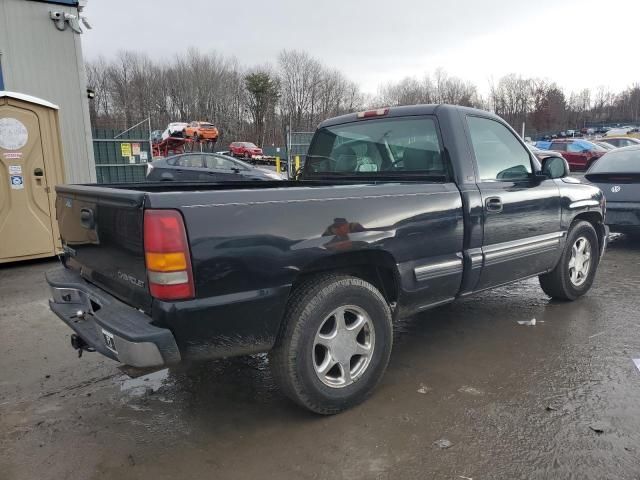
{"x": 39, "y": 60}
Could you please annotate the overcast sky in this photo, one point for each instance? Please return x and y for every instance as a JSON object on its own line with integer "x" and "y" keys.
{"x": 578, "y": 43}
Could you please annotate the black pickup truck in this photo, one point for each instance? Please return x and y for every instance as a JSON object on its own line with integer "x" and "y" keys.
{"x": 396, "y": 211}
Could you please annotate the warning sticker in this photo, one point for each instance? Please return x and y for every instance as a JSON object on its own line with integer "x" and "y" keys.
{"x": 132, "y": 159}
{"x": 12, "y": 155}
{"x": 144, "y": 156}
{"x": 17, "y": 182}
{"x": 135, "y": 148}
{"x": 15, "y": 169}
{"x": 125, "y": 149}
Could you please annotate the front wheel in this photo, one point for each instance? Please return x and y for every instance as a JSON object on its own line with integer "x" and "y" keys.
{"x": 335, "y": 345}
{"x": 576, "y": 270}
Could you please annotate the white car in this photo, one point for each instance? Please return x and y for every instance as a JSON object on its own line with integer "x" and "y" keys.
{"x": 174, "y": 129}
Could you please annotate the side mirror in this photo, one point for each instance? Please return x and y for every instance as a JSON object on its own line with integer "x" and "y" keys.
{"x": 555, "y": 167}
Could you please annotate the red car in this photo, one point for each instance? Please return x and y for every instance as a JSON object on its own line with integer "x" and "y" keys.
{"x": 245, "y": 150}
{"x": 579, "y": 153}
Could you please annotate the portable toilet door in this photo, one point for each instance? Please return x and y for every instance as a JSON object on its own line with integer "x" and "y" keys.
{"x": 31, "y": 164}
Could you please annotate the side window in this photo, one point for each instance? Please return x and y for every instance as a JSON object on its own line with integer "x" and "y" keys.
{"x": 219, "y": 163}
{"x": 499, "y": 155}
{"x": 558, "y": 147}
{"x": 191, "y": 161}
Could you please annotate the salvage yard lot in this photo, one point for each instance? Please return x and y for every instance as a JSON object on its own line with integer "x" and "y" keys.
{"x": 554, "y": 400}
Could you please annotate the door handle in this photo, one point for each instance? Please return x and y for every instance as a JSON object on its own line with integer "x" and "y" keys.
{"x": 493, "y": 204}
{"x": 38, "y": 172}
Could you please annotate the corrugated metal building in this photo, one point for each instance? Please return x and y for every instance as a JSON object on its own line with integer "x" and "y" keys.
{"x": 39, "y": 58}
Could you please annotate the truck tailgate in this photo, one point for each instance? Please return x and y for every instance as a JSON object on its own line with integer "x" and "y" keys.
{"x": 102, "y": 234}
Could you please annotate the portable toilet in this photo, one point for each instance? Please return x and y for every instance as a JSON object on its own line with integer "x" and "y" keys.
{"x": 31, "y": 164}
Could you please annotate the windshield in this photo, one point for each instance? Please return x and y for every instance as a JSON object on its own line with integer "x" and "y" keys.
{"x": 626, "y": 160}
{"x": 249, "y": 145}
{"x": 384, "y": 147}
{"x": 237, "y": 162}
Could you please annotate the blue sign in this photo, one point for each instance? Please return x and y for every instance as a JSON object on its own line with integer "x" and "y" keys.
{"x": 17, "y": 182}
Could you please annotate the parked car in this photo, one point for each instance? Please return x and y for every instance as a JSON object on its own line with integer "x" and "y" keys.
{"x": 396, "y": 211}
{"x": 579, "y": 153}
{"x": 156, "y": 136}
{"x": 617, "y": 132}
{"x": 201, "y": 131}
{"x": 245, "y": 150}
{"x": 206, "y": 167}
{"x": 542, "y": 154}
{"x": 617, "y": 174}
{"x": 621, "y": 141}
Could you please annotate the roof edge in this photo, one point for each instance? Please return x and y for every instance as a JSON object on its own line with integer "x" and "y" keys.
{"x": 28, "y": 98}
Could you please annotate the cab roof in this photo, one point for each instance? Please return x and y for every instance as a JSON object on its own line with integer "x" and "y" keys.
{"x": 406, "y": 111}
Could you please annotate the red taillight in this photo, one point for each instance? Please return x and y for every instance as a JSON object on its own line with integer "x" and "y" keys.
{"x": 380, "y": 112}
{"x": 167, "y": 255}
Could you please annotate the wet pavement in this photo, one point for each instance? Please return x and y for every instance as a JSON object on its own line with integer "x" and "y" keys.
{"x": 469, "y": 393}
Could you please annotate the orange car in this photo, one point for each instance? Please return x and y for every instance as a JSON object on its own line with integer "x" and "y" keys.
{"x": 201, "y": 131}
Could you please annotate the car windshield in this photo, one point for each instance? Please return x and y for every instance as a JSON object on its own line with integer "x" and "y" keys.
{"x": 623, "y": 160}
{"x": 594, "y": 147}
{"x": 249, "y": 145}
{"x": 377, "y": 148}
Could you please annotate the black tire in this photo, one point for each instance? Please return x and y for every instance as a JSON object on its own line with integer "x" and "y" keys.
{"x": 292, "y": 358}
{"x": 557, "y": 283}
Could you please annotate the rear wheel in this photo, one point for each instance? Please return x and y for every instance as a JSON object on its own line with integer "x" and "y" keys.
{"x": 335, "y": 345}
{"x": 576, "y": 270}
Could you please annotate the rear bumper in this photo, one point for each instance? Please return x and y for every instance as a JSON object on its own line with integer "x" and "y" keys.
{"x": 623, "y": 216}
{"x": 97, "y": 318}
{"x": 208, "y": 135}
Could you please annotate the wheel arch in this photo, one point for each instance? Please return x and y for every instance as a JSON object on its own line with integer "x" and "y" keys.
{"x": 376, "y": 267}
{"x": 596, "y": 220}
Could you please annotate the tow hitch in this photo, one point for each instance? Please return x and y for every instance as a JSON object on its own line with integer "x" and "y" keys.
{"x": 80, "y": 345}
